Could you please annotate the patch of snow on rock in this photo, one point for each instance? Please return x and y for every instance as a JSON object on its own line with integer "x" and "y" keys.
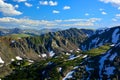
{"x": 109, "y": 71}
{"x": 103, "y": 58}
{"x": 60, "y": 69}
{"x": 84, "y": 56}
{"x": 112, "y": 45}
{"x": 69, "y": 75}
{"x": 112, "y": 56}
{"x": 88, "y": 69}
{"x": 72, "y": 57}
{"x": 51, "y": 53}
{"x": 18, "y": 58}
{"x": 1, "y": 61}
{"x": 115, "y": 36}
{"x": 76, "y": 67}
{"x": 31, "y": 61}
{"x": 12, "y": 59}
{"x": 43, "y": 55}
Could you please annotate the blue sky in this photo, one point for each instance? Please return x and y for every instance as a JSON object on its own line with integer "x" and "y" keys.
{"x": 38, "y": 14}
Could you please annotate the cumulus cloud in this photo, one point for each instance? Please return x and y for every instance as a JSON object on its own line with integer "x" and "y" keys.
{"x": 16, "y": 6}
{"x": 113, "y": 2}
{"x": 66, "y": 7}
{"x": 43, "y": 2}
{"x": 8, "y": 9}
{"x": 20, "y": 0}
{"x": 116, "y": 18}
{"x": 56, "y": 12}
{"x": 50, "y": 3}
{"x": 28, "y": 4}
{"x": 104, "y": 13}
{"x": 9, "y": 22}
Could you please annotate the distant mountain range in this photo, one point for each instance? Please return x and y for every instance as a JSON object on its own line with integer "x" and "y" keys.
{"x": 67, "y": 54}
{"x": 4, "y": 32}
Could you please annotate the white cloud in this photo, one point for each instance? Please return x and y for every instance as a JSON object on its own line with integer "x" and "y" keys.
{"x": 86, "y": 14}
{"x": 16, "y": 6}
{"x": 8, "y": 9}
{"x": 104, "y": 13}
{"x": 43, "y": 2}
{"x": 28, "y": 4}
{"x": 56, "y": 12}
{"x": 50, "y": 3}
{"x": 9, "y": 22}
{"x": 117, "y": 15}
{"x": 66, "y": 7}
{"x": 114, "y": 2}
{"x": 20, "y": 0}
{"x": 118, "y": 8}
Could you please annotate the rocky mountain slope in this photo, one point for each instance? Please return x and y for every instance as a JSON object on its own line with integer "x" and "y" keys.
{"x": 101, "y": 37}
{"x": 39, "y": 47}
{"x": 70, "y": 54}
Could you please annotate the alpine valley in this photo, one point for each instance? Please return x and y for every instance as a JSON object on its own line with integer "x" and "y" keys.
{"x": 72, "y": 54}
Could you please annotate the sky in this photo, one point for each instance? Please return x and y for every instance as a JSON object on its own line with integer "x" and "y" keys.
{"x": 63, "y": 14}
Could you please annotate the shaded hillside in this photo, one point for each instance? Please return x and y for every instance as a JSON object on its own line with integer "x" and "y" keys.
{"x": 101, "y": 37}
{"x": 103, "y": 67}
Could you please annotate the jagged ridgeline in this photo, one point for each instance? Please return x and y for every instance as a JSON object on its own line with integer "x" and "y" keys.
{"x": 38, "y": 47}
{"x": 71, "y": 54}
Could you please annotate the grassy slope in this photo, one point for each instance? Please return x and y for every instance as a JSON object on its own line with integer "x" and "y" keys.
{"x": 61, "y": 61}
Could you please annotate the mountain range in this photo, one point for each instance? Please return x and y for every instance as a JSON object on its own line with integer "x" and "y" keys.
{"x": 62, "y": 55}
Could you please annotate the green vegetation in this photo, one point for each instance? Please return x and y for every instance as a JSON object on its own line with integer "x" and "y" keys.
{"x": 17, "y": 36}
{"x": 97, "y": 51}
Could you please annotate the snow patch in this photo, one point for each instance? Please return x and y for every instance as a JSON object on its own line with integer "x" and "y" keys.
{"x": 109, "y": 71}
{"x": 88, "y": 69}
{"x": 12, "y": 59}
{"x": 69, "y": 75}
{"x": 31, "y": 61}
{"x": 51, "y": 53}
{"x": 18, "y": 58}
{"x": 95, "y": 40}
{"x": 1, "y": 61}
{"x": 103, "y": 58}
{"x": 67, "y": 54}
{"x": 112, "y": 45}
{"x": 84, "y": 56}
{"x": 49, "y": 63}
{"x": 76, "y": 67}
{"x": 71, "y": 50}
{"x": 12, "y": 41}
{"x": 115, "y": 36}
{"x": 43, "y": 55}
{"x": 112, "y": 56}
{"x": 60, "y": 69}
{"x": 72, "y": 57}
